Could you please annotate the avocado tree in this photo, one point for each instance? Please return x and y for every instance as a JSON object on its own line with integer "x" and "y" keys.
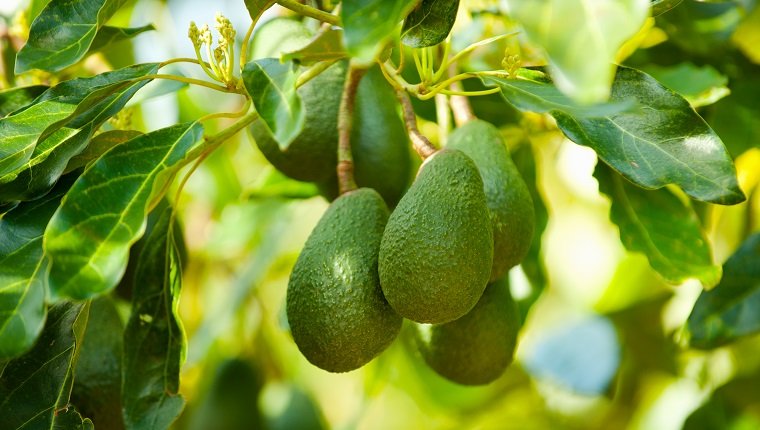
{"x": 379, "y": 214}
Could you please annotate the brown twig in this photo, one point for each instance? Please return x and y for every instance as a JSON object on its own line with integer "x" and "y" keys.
{"x": 420, "y": 143}
{"x": 345, "y": 167}
{"x": 460, "y": 106}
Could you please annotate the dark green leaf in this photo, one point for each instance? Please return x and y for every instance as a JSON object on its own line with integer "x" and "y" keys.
{"x": 731, "y": 309}
{"x": 97, "y": 387}
{"x": 13, "y": 99}
{"x": 104, "y": 213}
{"x": 661, "y": 226}
{"x": 22, "y": 271}
{"x": 62, "y": 33}
{"x": 257, "y": 7}
{"x": 534, "y": 92}
{"x": 34, "y": 386}
{"x": 429, "y": 23}
{"x": 42, "y": 146}
{"x": 154, "y": 339}
{"x": 272, "y": 86}
{"x": 108, "y": 35}
{"x": 532, "y": 264}
{"x": 369, "y": 24}
{"x": 328, "y": 45}
{"x": 71, "y": 419}
{"x": 98, "y": 146}
{"x": 664, "y": 141}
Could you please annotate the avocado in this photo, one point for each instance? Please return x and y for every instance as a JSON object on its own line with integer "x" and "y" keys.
{"x": 336, "y": 310}
{"x": 379, "y": 143}
{"x": 475, "y": 349}
{"x": 507, "y": 195}
{"x": 312, "y": 155}
{"x": 437, "y": 249}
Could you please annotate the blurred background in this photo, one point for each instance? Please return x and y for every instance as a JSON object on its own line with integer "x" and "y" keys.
{"x": 602, "y": 345}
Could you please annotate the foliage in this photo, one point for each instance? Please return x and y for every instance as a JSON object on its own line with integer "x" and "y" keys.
{"x": 145, "y": 242}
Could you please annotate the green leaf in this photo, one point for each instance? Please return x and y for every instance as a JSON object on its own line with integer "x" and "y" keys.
{"x": 98, "y": 146}
{"x": 660, "y": 225}
{"x": 429, "y": 23}
{"x": 108, "y": 35}
{"x": 22, "y": 271}
{"x": 581, "y": 39}
{"x": 154, "y": 340}
{"x": 63, "y": 32}
{"x": 272, "y": 86}
{"x": 20, "y": 132}
{"x": 369, "y": 24}
{"x": 327, "y": 46}
{"x": 36, "y": 385}
{"x": 701, "y": 86}
{"x": 14, "y": 99}
{"x": 534, "y": 92}
{"x": 257, "y": 7}
{"x": 38, "y": 148}
{"x": 731, "y": 310}
{"x": 97, "y": 387}
{"x": 664, "y": 142}
{"x": 71, "y": 419}
{"x": 88, "y": 238}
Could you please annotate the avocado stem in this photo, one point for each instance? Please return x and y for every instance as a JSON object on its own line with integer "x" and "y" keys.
{"x": 421, "y": 144}
{"x": 345, "y": 167}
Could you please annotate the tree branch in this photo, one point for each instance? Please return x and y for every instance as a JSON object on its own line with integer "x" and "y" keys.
{"x": 420, "y": 143}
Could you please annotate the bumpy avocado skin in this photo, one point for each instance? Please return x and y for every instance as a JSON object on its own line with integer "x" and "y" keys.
{"x": 336, "y": 310}
{"x": 508, "y": 198}
{"x": 312, "y": 155}
{"x": 437, "y": 249}
{"x": 477, "y": 348}
{"x": 379, "y": 142}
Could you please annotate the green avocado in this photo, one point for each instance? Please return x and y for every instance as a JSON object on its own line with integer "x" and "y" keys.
{"x": 312, "y": 155}
{"x": 509, "y": 201}
{"x": 336, "y": 310}
{"x": 476, "y": 348}
{"x": 379, "y": 143}
{"x": 437, "y": 249}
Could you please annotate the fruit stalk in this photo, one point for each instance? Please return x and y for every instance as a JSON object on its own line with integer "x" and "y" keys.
{"x": 345, "y": 167}
{"x": 420, "y": 143}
